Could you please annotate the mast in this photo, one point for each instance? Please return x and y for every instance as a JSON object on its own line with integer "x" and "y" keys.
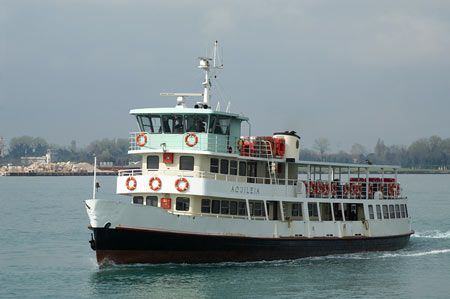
{"x": 205, "y": 65}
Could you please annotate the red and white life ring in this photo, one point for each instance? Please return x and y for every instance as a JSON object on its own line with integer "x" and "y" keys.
{"x": 177, "y": 184}
{"x": 186, "y": 139}
{"x": 158, "y": 186}
{"x": 138, "y": 139}
{"x": 132, "y": 187}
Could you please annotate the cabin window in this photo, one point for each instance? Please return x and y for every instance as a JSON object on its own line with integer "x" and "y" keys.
{"x": 312, "y": 209}
{"x": 214, "y": 165}
{"x": 224, "y": 207}
{"x": 402, "y": 208}
{"x": 186, "y": 163}
{"x": 371, "y": 215}
{"x": 233, "y": 208}
{"x": 206, "y": 206}
{"x": 216, "y": 206}
{"x": 233, "y": 167}
{"x": 242, "y": 168}
{"x": 397, "y": 211}
{"x": 153, "y": 162}
{"x": 258, "y": 209}
{"x": 406, "y": 211}
{"x": 138, "y": 200}
{"x": 325, "y": 212}
{"x": 224, "y": 166}
{"x": 379, "y": 212}
{"x": 151, "y": 201}
{"x": 182, "y": 204}
{"x": 391, "y": 212}
{"x": 196, "y": 123}
{"x": 150, "y": 124}
{"x": 337, "y": 212}
{"x": 296, "y": 210}
{"x": 242, "y": 208}
{"x": 385, "y": 212}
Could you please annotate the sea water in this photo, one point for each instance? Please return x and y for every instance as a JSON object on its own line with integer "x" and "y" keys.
{"x": 44, "y": 252}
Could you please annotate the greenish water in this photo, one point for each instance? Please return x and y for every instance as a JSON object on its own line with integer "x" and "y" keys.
{"x": 44, "y": 252}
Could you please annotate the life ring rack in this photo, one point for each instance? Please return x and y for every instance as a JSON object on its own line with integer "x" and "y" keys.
{"x": 177, "y": 184}
{"x": 127, "y": 183}
{"x": 186, "y": 139}
{"x": 158, "y": 186}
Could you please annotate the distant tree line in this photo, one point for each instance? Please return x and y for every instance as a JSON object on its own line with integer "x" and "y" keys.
{"x": 424, "y": 153}
{"x": 106, "y": 150}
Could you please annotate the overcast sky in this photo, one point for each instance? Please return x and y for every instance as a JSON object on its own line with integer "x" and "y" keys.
{"x": 349, "y": 71}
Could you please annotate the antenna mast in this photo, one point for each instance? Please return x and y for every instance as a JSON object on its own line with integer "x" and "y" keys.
{"x": 205, "y": 65}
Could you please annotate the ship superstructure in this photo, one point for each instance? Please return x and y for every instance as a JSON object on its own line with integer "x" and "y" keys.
{"x": 207, "y": 192}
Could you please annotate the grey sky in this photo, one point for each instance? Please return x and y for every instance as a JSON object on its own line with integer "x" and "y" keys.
{"x": 350, "y": 71}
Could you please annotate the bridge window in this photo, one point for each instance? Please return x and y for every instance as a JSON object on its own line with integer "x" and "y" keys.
{"x": 150, "y": 124}
{"x": 182, "y": 204}
{"x": 196, "y": 123}
{"x": 402, "y": 208}
{"x": 186, "y": 163}
{"x": 153, "y": 162}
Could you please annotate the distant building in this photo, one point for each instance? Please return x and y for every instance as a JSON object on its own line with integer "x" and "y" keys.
{"x": 48, "y": 158}
{"x": 2, "y": 148}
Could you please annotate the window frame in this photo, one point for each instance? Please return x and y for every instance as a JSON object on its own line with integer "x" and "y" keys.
{"x": 153, "y": 200}
{"x": 153, "y": 156}
{"x": 214, "y": 168}
{"x": 181, "y": 167}
{"x": 182, "y": 203}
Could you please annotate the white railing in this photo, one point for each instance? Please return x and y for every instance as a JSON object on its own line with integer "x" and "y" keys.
{"x": 352, "y": 189}
{"x": 208, "y": 175}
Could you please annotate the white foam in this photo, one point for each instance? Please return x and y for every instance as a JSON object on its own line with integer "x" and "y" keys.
{"x": 402, "y": 254}
{"x": 432, "y": 234}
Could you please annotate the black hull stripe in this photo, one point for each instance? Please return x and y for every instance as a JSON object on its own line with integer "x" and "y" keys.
{"x": 144, "y": 246}
{"x": 250, "y": 237}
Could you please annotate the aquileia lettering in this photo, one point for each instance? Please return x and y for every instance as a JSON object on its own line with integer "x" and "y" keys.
{"x": 245, "y": 190}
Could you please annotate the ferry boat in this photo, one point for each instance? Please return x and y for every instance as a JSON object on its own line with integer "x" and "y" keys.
{"x": 208, "y": 192}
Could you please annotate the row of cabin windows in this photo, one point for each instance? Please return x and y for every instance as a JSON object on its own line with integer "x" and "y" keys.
{"x": 149, "y": 200}
{"x": 232, "y": 167}
{"x": 179, "y": 124}
{"x": 229, "y": 207}
{"x": 186, "y": 162}
{"x": 389, "y": 211}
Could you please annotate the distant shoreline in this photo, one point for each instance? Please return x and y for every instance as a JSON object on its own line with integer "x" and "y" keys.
{"x": 400, "y": 171}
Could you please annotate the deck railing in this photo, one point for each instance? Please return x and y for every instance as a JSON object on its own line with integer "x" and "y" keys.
{"x": 209, "y": 175}
{"x": 260, "y": 147}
